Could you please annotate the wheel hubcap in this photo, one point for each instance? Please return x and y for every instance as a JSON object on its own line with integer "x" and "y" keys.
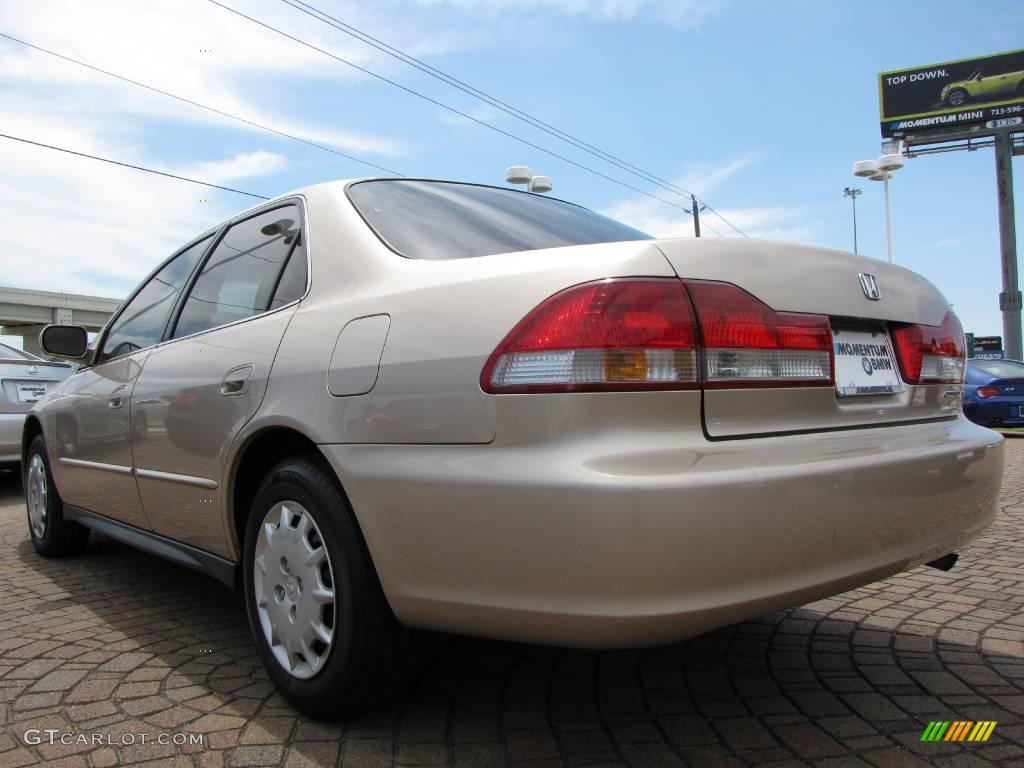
{"x": 36, "y": 492}
{"x": 294, "y": 589}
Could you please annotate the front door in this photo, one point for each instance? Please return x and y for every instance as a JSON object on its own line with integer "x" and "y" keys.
{"x": 92, "y": 426}
{"x": 92, "y": 432}
{"x": 199, "y": 388}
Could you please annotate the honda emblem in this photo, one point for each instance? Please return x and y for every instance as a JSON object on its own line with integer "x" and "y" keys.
{"x": 870, "y": 286}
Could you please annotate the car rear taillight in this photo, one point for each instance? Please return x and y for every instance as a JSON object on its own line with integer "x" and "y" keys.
{"x": 646, "y": 333}
{"x": 930, "y": 354}
{"x": 617, "y": 334}
{"x": 748, "y": 344}
{"x": 986, "y": 392}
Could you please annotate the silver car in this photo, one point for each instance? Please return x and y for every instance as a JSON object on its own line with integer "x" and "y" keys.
{"x": 383, "y": 404}
{"x": 24, "y": 379}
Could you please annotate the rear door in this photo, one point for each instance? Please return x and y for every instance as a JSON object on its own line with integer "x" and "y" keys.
{"x": 863, "y": 299}
{"x": 206, "y": 381}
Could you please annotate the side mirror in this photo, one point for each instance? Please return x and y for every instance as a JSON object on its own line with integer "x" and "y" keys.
{"x": 70, "y": 341}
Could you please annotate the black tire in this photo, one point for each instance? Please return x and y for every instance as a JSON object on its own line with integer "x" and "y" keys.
{"x": 957, "y": 97}
{"x": 368, "y": 651}
{"x": 59, "y": 537}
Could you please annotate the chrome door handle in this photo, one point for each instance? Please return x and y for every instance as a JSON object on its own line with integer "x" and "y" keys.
{"x": 236, "y": 381}
{"x": 117, "y": 397}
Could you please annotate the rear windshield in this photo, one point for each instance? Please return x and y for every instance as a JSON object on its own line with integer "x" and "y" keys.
{"x": 999, "y": 369}
{"x": 11, "y": 353}
{"x": 449, "y": 220}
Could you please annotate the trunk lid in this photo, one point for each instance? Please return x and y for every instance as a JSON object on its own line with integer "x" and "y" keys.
{"x": 802, "y": 279}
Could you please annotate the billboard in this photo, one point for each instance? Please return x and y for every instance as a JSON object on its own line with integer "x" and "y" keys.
{"x": 986, "y": 91}
{"x": 988, "y": 348}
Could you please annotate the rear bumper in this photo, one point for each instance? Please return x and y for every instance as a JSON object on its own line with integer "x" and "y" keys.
{"x": 997, "y": 410}
{"x": 584, "y": 542}
{"x": 11, "y": 425}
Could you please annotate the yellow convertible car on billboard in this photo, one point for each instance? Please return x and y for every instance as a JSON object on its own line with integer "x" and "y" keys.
{"x": 979, "y": 86}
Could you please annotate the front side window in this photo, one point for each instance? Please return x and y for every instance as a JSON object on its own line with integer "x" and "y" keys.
{"x": 141, "y": 323}
{"x": 448, "y": 220}
{"x": 243, "y": 273}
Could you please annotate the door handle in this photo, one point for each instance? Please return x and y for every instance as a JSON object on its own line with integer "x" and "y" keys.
{"x": 117, "y": 397}
{"x": 236, "y": 381}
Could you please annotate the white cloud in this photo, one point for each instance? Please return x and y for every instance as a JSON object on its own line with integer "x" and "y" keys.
{"x": 165, "y": 45}
{"x": 78, "y": 225}
{"x": 684, "y": 14}
{"x": 237, "y": 167}
{"x": 704, "y": 180}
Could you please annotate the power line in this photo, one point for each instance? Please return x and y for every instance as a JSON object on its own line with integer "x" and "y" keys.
{"x": 444, "y": 106}
{"x": 493, "y": 101}
{"x": 284, "y": 134}
{"x": 129, "y": 165}
{"x": 220, "y": 112}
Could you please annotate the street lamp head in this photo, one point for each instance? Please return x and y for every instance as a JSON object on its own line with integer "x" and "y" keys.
{"x": 518, "y": 174}
{"x": 890, "y": 163}
{"x": 865, "y": 168}
{"x": 851, "y": 192}
{"x": 540, "y": 184}
{"x": 880, "y": 176}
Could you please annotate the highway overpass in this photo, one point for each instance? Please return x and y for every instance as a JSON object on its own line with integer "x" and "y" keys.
{"x": 24, "y": 312}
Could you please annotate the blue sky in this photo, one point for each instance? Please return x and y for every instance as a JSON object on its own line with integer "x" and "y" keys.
{"x": 761, "y": 107}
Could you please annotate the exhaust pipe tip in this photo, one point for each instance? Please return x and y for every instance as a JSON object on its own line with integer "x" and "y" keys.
{"x": 944, "y": 563}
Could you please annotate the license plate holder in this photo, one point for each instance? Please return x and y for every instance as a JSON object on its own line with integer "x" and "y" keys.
{"x": 865, "y": 363}
{"x": 30, "y": 391}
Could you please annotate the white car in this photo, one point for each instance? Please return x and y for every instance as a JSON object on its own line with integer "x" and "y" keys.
{"x": 24, "y": 379}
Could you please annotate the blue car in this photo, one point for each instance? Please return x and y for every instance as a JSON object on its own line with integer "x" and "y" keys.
{"x": 994, "y": 393}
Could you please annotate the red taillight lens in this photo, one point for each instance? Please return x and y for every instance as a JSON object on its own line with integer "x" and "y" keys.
{"x": 986, "y": 392}
{"x": 930, "y": 354}
{"x": 748, "y": 344}
{"x": 617, "y": 334}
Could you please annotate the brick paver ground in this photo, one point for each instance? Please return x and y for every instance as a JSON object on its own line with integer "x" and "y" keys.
{"x": 117, "y": 643}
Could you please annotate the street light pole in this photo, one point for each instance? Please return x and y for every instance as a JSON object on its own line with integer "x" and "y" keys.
{"x": 881, "y": 170}
{"x": 852, "y": 192}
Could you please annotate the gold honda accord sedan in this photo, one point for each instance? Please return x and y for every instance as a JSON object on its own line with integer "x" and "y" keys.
{"x": 386, "y": 404}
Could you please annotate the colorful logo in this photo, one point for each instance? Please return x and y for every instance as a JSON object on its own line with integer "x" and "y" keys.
{"x": 959, "y": 730}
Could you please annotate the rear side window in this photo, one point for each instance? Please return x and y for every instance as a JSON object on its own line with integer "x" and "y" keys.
{"x": 292, "y": 284}
{"x": 141, "y": 323}
{"x": 448, "y": 220}
{"x": 244, "y": 272}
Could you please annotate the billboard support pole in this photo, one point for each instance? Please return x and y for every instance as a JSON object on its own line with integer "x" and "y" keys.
{"x": 888, "y": 219}
{"x": 1010, "y": 298}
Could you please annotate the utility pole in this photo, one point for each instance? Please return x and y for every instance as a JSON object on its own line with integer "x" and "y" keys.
{"x": 695, "y": 208}
{"x": 852, "y": 192}
{"x": 1009, "y": 298}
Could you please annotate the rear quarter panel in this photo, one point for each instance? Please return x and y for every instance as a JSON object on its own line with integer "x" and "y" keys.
{"x": 446, "y": 317}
